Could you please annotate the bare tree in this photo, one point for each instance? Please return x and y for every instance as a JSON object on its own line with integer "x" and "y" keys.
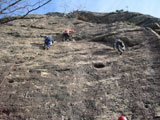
{"x": 19, "y": 7}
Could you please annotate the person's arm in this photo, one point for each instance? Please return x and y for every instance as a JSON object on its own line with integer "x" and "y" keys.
{"x": 123, "y": 46}
{"x": 71, "y": 31}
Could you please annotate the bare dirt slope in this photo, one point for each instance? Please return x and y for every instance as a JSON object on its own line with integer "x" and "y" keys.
{"x": 83, "y": 79}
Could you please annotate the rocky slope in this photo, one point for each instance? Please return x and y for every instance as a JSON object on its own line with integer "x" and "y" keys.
{"x": 83, "y": 79}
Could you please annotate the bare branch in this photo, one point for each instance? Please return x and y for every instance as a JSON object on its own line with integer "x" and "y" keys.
{"x": 10, "y": 6}
{"x": 16, "y": 8}
{"x": 36, "y": 8}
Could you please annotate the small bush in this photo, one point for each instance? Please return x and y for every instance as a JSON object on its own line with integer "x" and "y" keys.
{"x": 119, "y": 11}
{"x": 83, "y": 18}
{"x": 6, "y": 19}
{"x": 129, "y": 23}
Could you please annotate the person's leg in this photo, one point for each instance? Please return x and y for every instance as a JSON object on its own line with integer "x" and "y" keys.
{"x": 120, "y": 50}
{"x": 44, "y": 46}
{"x": 48, "y": 45}
{"x": 68, "y": 37}
{"x": 65, "y": 35}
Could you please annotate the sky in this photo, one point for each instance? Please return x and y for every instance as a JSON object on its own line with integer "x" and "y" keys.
{"x": 149, "y": 7}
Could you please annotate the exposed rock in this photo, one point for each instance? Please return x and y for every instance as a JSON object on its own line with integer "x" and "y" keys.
{"x": 130, "y": 17}
{"x": 84, "y": 79}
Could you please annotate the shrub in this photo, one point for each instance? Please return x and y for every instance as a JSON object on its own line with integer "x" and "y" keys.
{"x": 83, "y": 18}
{"x": 129, "y": 23}
{"x": 5, "y": 19}
{"x": 119, "y": 11}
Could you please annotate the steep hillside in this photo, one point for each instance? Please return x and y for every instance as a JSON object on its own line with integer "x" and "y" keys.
{"x": 120, "y": 16}
{"x": 82, "y": 79}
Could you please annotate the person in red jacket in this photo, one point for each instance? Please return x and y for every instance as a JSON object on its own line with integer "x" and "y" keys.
{"x": 67, "y": 33}
{"x": 122, "y": 118}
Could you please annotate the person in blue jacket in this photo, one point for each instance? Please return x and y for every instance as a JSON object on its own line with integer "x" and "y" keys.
{"x": 48, "y": 42}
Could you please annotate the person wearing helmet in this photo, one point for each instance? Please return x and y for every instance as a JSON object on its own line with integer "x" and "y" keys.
{"x": 67, "y": 33}
{"x": 119, "y": 45}
{"x": 47, "y": 42}
{"x": 122, "y": 118}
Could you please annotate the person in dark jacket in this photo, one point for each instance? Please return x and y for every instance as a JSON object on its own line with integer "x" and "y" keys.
{"x": 48, "y": 42}
{"x": 67, "y": 33}
{"x": 119, "y": 45}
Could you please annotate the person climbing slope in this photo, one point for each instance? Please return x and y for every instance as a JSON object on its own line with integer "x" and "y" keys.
{"x": 67, "y": 34}
{"x": 122, "y": 118}
{"x": 119, "y": 45}
{"x": 48, "y": 42}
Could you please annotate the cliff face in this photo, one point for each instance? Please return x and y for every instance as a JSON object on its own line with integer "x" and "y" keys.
{"x": 82, "y": 79}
